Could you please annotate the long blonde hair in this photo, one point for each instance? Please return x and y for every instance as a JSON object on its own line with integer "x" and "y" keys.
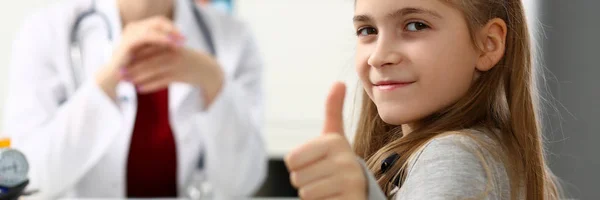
{"x": 503, "y": 99}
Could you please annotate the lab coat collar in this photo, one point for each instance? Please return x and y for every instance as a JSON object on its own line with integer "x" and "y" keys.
{"x": 185, "y": 22}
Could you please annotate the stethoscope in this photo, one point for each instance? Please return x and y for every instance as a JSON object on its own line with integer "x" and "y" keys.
{"x": 75, "y": 52}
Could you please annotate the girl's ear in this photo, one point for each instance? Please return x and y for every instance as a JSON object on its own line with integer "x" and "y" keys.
{"x": 492, "y": 43}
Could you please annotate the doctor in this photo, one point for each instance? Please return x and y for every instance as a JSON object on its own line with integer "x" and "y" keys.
{"x": 151, "y": 102}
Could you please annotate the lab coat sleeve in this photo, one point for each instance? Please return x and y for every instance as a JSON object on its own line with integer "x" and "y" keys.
{"x": 61, "y": 136}
{"x": 234, "y": 153}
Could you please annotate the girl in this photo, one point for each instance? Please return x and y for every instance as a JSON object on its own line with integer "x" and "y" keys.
{"x": 449, "y": 109}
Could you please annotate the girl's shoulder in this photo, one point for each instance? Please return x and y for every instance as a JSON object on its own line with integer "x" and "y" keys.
{"x": 461, "y": 164}
{"x": 465, "y": 144}
{"x": 467, "y": 141}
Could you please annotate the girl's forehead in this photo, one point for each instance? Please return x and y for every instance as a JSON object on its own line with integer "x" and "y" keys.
{"x": 396, "y": 3}
{"x": 385, "y": 7}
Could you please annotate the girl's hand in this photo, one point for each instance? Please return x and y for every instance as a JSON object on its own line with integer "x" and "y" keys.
{"x": 326, "y": 167}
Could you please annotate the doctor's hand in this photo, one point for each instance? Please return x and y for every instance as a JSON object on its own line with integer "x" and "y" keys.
{"x": 326, "y": 167}
{"x": 152, "y": 32}
{"x": 154, "y": 68}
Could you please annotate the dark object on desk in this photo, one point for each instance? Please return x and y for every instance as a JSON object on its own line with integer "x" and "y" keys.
{"x": 13, "y": 193}
{"x": 277, "y": 183}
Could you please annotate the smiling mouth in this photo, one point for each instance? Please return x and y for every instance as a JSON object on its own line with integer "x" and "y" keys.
{"x": 391, "y": 85}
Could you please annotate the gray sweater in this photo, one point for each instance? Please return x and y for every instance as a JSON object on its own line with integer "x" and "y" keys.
{"x": 450, "y": 167}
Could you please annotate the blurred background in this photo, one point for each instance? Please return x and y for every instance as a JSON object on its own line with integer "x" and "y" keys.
{"x": 308, "y": 44}
{"x": 569, "y": 39}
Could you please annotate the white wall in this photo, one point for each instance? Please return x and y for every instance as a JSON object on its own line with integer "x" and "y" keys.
{"x": 307, "y": 45}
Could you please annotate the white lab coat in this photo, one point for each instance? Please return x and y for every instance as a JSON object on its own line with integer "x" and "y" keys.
{"x": 77, "y": 141}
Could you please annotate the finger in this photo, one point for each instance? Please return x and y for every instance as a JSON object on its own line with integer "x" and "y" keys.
{"x": 160, "y": 23}
{"x": 333, "y": 109}
{"x": 151, "y": 71}
{"x": 140, "y": 65}
{"x": 148, "y": 52}
{"x": 151, "y": 75}
{"x": 167, "y": 27}
{"x": 321, "y": 189}
{"x": 306, "y": 154}
{"x": 160, "y": 83}
{"x": 312, "y": 173}
{"x": 152, "y": 38}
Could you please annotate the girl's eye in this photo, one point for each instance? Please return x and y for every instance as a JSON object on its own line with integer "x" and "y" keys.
{"x": 416, "y": 26}
{"x": 366, "y": 31}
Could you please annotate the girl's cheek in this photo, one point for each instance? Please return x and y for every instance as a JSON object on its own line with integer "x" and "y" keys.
{"x": 362, "y": 68}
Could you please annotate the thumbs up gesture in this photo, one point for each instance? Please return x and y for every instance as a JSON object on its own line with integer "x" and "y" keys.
{"x": 326, "y": 167}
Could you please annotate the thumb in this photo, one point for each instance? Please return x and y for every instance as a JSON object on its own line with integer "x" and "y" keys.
{"x": 333, "y": 109}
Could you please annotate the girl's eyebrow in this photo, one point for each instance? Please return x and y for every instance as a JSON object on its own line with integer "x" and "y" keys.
{"x": 412, "y": 10}
{"x": 362, "y": 18}
{"x": 399, "y": 13}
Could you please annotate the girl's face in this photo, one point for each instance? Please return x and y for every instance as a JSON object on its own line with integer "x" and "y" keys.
{"x": 414, "y": 57}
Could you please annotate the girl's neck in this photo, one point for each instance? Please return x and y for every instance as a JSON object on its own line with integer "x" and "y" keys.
{"x": 408, "y": 128}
